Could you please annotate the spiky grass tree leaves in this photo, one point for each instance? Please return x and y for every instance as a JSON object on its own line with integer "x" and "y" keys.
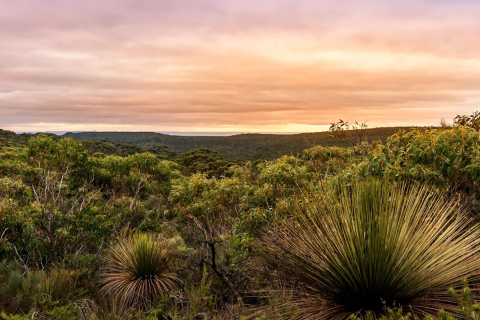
{"x": 138, "y": 269}
{"x": 373, "y": 242}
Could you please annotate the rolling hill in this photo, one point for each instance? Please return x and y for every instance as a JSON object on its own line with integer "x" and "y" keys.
{"x": 236, "y": 147}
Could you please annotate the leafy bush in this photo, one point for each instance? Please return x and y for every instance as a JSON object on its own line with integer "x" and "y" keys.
{"x": 16, "y": 288}
{"x": 448, "y": 158}
{"x": 471, "y": 121}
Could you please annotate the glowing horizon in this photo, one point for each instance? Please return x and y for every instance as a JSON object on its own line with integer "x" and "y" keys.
{"x": 235, "y": 66}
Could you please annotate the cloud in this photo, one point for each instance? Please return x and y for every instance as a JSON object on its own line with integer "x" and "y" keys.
{"x": 235, "y": 65}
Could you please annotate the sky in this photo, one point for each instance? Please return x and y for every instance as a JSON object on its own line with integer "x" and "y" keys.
{"x": 236, "y": 65}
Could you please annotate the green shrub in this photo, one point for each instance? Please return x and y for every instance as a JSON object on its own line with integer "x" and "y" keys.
{"x": 16, "y": 288}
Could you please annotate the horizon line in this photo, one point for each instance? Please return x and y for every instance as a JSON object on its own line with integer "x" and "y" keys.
{"x": 192, "y": 133}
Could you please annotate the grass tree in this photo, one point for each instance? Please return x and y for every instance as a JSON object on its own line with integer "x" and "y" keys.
{"x": 373, "y": 243}
{"x": 138, "y": 269}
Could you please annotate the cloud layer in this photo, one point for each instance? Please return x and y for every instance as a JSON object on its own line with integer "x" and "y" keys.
{"x": 235, "y": 65}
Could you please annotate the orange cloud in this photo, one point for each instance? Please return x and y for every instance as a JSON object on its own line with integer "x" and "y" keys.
{"x": 235, "y": 65}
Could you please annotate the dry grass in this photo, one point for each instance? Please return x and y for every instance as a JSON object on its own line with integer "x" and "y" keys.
{"x": 58, "y": 284}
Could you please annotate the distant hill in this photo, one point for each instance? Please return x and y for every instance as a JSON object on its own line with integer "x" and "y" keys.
{"x": 11, "y": 139}
{"x": 236, "y": 147}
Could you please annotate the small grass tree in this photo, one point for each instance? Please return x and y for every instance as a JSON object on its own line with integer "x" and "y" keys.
{"x": 372, "y": 243}
{"x": 138, "y": 269}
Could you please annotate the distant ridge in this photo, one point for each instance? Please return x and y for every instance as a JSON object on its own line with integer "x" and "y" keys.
{"x": 249, "y": 146}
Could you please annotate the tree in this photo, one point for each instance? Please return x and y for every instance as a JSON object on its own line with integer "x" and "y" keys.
{"x": 351, "y": 135}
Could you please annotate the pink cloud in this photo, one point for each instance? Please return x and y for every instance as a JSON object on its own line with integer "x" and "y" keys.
{"x": 211, "y": 64}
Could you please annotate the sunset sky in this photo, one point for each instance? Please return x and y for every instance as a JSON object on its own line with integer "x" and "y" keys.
{"x": 235, "y": 65}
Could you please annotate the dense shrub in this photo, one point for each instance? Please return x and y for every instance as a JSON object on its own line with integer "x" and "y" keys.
{"x": 448, "y": 158}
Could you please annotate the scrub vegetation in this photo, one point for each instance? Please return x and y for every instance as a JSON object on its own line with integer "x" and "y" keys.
{"x": 356, "y": 228}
